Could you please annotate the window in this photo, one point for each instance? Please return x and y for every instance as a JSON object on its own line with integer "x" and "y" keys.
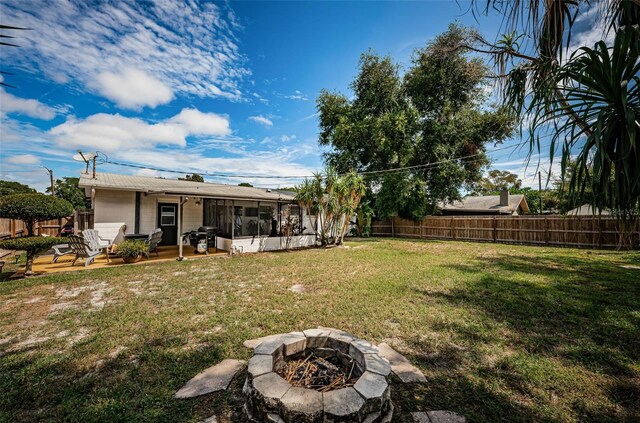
{"x": 167, "y": 216}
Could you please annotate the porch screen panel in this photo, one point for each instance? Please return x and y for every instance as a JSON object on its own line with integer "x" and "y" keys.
{"x": 267, "y": 215}
{"x": 245, "y": 218}
{"x": 209, "y": 217}
{"x": 224, "y": 218}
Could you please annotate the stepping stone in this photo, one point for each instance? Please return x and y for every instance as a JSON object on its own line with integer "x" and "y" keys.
{"x": 215, "y": 378}
{"x": 253, "y": 343}
{"x": 400, "y": 366}
{"x": 439, "y": 416}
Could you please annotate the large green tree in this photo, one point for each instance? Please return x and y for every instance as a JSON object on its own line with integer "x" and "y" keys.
{"x": 193, "y": 177}
{"x": 68, "y": 189}
{"x": 425, "y": 119}
{"x": 497, "y": 180}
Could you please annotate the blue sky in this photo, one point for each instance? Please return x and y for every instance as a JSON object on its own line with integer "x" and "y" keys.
{"x": 220, "y": 87}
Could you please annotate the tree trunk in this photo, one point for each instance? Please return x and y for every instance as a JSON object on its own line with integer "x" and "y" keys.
{"x": 574, "y": 116}
{"x": 29, "y": 265}
{"x": 29, "y": 224}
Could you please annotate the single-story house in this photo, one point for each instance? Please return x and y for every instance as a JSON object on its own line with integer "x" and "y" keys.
{"x": 247, "y": 219}
{"x": 503, "y": 204}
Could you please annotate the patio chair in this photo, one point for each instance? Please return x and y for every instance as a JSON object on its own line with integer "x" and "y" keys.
{"x": 93, "y": 237}
{"x": 97, "y": 242}
{"x": 112, "y": 232}
{"x": 60, "y": 250}
{"x": 84, "y": 249}
{"x": 154, "y": 239}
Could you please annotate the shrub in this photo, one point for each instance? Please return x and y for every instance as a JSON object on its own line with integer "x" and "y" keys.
{"x": 33, "y": 245}
{"x": 32, "y": 208}
{"x": 132, "y": 248}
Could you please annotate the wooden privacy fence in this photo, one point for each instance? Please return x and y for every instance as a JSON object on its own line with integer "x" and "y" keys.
{"x": 82, "y": 219}
{"x": 574, "y": 231}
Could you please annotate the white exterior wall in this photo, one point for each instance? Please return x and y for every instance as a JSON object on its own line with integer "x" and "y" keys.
{"x": 111, "y": 206}
{"x": 266, "y": 243}
{"x": 148, "y": 213}
{"x": 120, "y": 206}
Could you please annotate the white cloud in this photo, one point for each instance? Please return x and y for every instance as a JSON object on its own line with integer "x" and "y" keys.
{"x": 28, "y": 159}
{"x": 199, "y": 123}
{"x": 262, "y": 120}
{"x": 274, "y": 163}
{"x": 590, "y": 27}
{"x": 133, "y": 89}
{"x": 32, "y": 108}
{"x": 114, "y": 133}
{"x": 287, "y": 138}
{"x": 189, "y": 46}
{"x": 297, "y": 96}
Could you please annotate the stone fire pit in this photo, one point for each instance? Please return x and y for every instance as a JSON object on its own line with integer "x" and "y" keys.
{"x": 270, "y": 398}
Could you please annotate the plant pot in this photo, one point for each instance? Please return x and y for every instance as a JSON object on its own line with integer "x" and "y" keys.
{"x": 132, "y": 259}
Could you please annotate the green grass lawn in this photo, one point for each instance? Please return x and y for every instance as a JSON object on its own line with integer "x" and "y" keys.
{"x": 502, "y": 333}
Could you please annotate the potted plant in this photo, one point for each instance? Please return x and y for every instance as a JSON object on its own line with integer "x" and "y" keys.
{"x": 132, "y": 250}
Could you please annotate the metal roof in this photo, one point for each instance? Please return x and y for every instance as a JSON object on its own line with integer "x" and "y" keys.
{"x": 487, "y": 203}
{"x": 151, "y": 185}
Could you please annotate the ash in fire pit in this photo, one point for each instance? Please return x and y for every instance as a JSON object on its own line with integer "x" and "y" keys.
{"x": 319, "y": 375}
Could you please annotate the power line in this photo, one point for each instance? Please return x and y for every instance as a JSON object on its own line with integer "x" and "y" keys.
{"x": 433, "y": 163}
{"x": 219, "y": 175}
{"x": 242, "y": 176}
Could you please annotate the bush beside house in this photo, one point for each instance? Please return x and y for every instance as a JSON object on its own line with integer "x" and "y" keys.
{"x": 31, "y": 209}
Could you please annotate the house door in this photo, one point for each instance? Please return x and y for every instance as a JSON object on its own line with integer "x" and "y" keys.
{"x": 168, "y": 222}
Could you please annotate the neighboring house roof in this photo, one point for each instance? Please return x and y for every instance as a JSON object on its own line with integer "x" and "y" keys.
{"x": 487, "y": 204}
{"x": 586, "y": 210}
{"x": 151, "y": 185}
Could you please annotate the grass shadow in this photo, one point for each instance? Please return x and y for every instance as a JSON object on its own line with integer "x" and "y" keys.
{"x": 136, "y": 385}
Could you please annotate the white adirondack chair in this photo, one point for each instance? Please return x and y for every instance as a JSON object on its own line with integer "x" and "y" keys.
{"x": 95, "y": 242}
{"x": 84, "y": 249}
{"x": 112, "y": 232}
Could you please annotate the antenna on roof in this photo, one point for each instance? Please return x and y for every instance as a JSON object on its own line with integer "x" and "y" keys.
{"x": 86, "y": 158}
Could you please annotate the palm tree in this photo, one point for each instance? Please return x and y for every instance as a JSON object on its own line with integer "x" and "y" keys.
{"x": 586, "y": 101}
{"x": 333, "y": 198}
{"x": 2, "y": 43}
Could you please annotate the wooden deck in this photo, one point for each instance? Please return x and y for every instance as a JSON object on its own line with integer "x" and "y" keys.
{"x": 43, "y": 264}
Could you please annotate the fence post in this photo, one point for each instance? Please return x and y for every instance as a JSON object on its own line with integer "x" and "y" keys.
{"x": 495, "y": 229}
{"x": 12, "y": 228}
{"x": 453, "y": 233}
{"x": 546, "y": 230}
{"x": 599, "y": 231}
{"x": 421, "y": 220}
{"x": 393, "y": 229}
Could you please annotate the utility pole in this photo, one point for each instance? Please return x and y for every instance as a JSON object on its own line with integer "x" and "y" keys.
{"x": 53, "y": 188}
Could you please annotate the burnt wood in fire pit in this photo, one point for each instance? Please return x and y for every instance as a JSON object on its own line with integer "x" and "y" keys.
{"x": 365, "y": 397}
